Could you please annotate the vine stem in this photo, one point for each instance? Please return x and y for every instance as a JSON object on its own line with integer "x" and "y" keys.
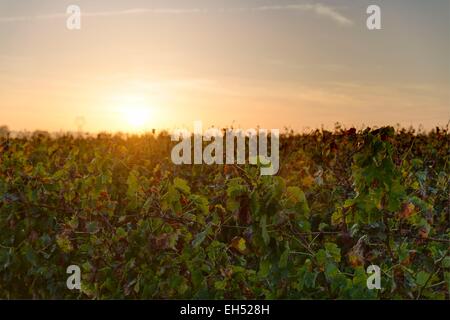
{"x": 426, "y": 283}
{"x": 388, "y": 237}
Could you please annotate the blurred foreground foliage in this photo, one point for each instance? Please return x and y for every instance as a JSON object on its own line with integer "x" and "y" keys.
{"x": 142, "y": 228}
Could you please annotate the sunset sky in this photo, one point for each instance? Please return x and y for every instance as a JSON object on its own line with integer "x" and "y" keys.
{"x": 275, "y": 63}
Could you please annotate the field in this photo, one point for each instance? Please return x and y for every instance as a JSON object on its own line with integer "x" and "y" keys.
{"x": 141, "y": 227}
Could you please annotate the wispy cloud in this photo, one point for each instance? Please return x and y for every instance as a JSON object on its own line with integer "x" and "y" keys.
{"x": 317, "y": 9}
{"x": 134, "y": 11}
{"x": 30, "y": 18}
{"x": 146, "y": 11}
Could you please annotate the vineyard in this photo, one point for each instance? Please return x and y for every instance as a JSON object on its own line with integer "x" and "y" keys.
{"x": 141, "y": 227}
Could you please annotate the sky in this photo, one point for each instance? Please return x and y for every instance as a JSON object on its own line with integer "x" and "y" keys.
{"x": 137, "y": 65}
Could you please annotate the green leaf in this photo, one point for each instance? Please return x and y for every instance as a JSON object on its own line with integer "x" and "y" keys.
{"x": 309, "y": 279}
{"x": 236, "y": 188}
{"x": 171, "y": 200}
{"x": 422, "y": 278}
{"x": 446, "y": 262}
{"x": 201, "y": 203}
{"x": 333, "y": 250}
{"x": 92, "y": 227}
{"x": 121, "y": 233}
{"x": 349, "y": 203}
{"x": 136, "y": 287}
{"x": 296, "y": 199}
{"x": 264, "y": 268}
{"x": 321, "y": 257}
{"x": 220, "y": 285}
{"x": 254, "y": 203}
{"x": 331, "y": 270}
{"x": 132, "y": 183}
{"x": 264, "y": 233}
{"x": 87, "y": 267}
{"x": 147, "y": 204}
{"x": 182, "y": 186}
{"x": 63, "y": 242}
{"x": 198, "y": 240}
{"x": 284, "y": 258}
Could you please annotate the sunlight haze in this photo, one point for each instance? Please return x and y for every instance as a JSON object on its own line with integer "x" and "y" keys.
{"x": 137, "y": 65}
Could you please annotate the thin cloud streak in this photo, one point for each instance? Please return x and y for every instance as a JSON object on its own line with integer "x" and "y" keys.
{"x": 318, "y": 9}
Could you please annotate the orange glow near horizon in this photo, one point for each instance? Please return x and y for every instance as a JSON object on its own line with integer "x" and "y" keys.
{"x": 134, "y": 67}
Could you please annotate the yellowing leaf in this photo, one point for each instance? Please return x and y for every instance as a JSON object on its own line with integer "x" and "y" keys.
{"x": 239, "y": 244}
{"x": 181, "y": 185}
{"x": 407, "y": 210}
{"x": 64, "y": 243}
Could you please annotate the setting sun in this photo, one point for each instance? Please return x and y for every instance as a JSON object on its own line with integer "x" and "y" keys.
{"x": 137, "y": 116}
{"x": 135, "y": 112}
